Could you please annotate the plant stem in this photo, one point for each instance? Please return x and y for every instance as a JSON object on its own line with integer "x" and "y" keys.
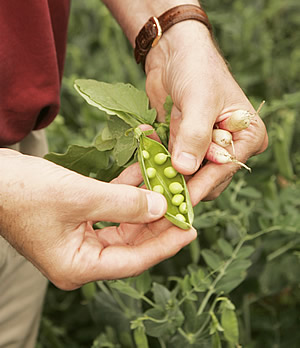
{"x": 219, "y": 277}
{"x": 146, "y": 299}
{"x": 161, "y": 342}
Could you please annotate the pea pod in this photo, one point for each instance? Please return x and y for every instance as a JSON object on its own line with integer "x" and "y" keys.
{"x": 160, "y": 176}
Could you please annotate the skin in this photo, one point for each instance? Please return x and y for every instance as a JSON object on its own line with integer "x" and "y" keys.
{"x": 47, "y": 212}
{"x": 187, "y": 65}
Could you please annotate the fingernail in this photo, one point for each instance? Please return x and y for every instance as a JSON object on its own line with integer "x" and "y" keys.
{"x": 156, "y": 204}
{"x": 187, "y": 161}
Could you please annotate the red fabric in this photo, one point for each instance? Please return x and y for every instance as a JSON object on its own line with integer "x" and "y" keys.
{"x": 33, "y": 36}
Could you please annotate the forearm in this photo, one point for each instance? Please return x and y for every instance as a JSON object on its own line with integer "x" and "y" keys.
{"x": 133, "y": 14}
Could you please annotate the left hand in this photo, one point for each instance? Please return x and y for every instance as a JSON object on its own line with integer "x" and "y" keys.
{"x": 187, "y": 66}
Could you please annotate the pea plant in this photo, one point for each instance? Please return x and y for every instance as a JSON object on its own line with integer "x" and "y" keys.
{"x": 194, "y": 298}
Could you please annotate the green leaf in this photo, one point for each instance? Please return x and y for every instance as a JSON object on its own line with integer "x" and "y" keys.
{"x": 143, "y": 282}
{"x": 225, "y": 247}
{"x": 161, "y": 294}
{"x": 215, "y": 340}
{"x": 230, "y": 325}
{"x": 109, "y": 173}
{"x": 88, "y": 290}
{"x": 238, "y": 266}
{"x": 163, "y": 322}
{"x": 211, "y": 259}
{"x": 160, "y": 325}
{"x": 229, "y": 282}
{"x": 199, "y": 280}
{"x": 250, "y": 192}
{"x": 81, "y": 159}
{"x": 125, "y": 288}
{"x": 124, "y": 149}
{"x": 123, "y": 100}
{"x": 106, "y": 311}
{"x": 245, "y": 252}
{"x": 168, "y": 108}
{"x": 104, "y": 145}
{"x": 117, "y": 128}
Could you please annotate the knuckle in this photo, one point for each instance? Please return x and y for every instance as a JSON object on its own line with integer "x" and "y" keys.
{"x": 193, "y": 138}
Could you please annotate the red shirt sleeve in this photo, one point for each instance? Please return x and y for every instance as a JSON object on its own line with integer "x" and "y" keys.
{"x": 33, "y": 35}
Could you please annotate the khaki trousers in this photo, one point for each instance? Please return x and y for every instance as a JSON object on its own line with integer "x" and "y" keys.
{"x": 22, "y": 286}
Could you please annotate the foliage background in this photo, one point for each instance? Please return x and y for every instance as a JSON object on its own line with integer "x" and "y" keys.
{"x": 261, "y": 42}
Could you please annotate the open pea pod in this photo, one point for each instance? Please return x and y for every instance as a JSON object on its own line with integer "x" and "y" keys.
{"x": 160, "y": 176}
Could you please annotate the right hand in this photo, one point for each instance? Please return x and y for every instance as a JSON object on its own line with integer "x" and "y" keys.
{"x": 47, "y": 213}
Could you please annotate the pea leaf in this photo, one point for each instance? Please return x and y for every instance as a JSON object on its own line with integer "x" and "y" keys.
{"x": 225, "y": 247}
{"x": 161, "y": 294}
{"x": 81, "y": 159}
{"x": 104, "y": 145}
{"x": 229, "y": 282}
{"x": 125, "y": 143}
{"x": 125, "y": 288}
{"x": 124, "y": 149}
{"x": 143, "y": 282}
{"x": 123, "y": 100}
{"x": 211, "y": 258}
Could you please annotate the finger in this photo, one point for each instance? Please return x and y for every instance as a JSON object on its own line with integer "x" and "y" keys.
{"x": 132, "y": 175}
{"x": 121, "y": 203}
{"x": 154, "y": 136}
{"x": 193, "y": 135}
{"x": 124, "y": 261}
{"x": 208, "y": 179}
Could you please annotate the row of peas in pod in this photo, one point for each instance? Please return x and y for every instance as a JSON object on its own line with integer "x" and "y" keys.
{"x": 160, "y": 176}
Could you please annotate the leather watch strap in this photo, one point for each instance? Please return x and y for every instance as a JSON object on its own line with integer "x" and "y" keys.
{"x": 155, "y": 27}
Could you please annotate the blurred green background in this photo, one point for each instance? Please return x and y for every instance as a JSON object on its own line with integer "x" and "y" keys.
{"x": 261, "y": 42}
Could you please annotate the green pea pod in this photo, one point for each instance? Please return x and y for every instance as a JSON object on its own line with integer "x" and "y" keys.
{"x": 140, "y": 337}
{"x": 158, "y": 174}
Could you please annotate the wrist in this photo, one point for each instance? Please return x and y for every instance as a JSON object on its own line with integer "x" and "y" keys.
{"x": 179, "y": 38}
{"x": 156, "y": 27}
{"x": 142, "y": 11}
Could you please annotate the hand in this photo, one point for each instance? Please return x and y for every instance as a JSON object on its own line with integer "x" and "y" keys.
{"x": 186, "y": 65}
{"x": 47, "y": 214}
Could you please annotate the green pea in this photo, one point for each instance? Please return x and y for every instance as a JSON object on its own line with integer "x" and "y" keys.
{"x": 160, "y": 158}
{"x": 180, "y": 217}
{"x": 175, "y": 187}
{"x": 146, "y": 154}
{"x": 151, "y": 172}
{"x": 183, "y": 208}
{"x": 177, "y": 199}
{"x": 161, "y": 177}
{"x": 158, "y": 188}
{"x": 170, "y": 172}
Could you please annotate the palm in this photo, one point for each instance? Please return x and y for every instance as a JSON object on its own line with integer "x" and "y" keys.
{"x": 119, "y": 251}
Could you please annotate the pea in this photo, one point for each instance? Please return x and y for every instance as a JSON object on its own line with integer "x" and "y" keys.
{"x": 170, "y": 172}
{"x": 160, "y": 158}
{"x": 146, "y": 154}
{"x": 180, "y": 217}
{"x": 175, "y": 187}
{"x": 160, "y": 176}
{"x": 158, "y": 188}
{"x": 151, "y": 172}
{"x": 177, "y": 199}
{"x": 183, "y": 208}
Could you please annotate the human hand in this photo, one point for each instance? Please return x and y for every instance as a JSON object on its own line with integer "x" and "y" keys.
{"x": 187, "y": 65}
{"x": 47, "y": 214}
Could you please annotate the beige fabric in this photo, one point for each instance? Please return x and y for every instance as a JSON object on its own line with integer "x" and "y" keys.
{"x": 22, "y": 286}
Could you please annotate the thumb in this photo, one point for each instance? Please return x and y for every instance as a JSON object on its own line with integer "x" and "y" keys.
{"x": 123, "y": 203}
{"x": 192, "y": 135}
